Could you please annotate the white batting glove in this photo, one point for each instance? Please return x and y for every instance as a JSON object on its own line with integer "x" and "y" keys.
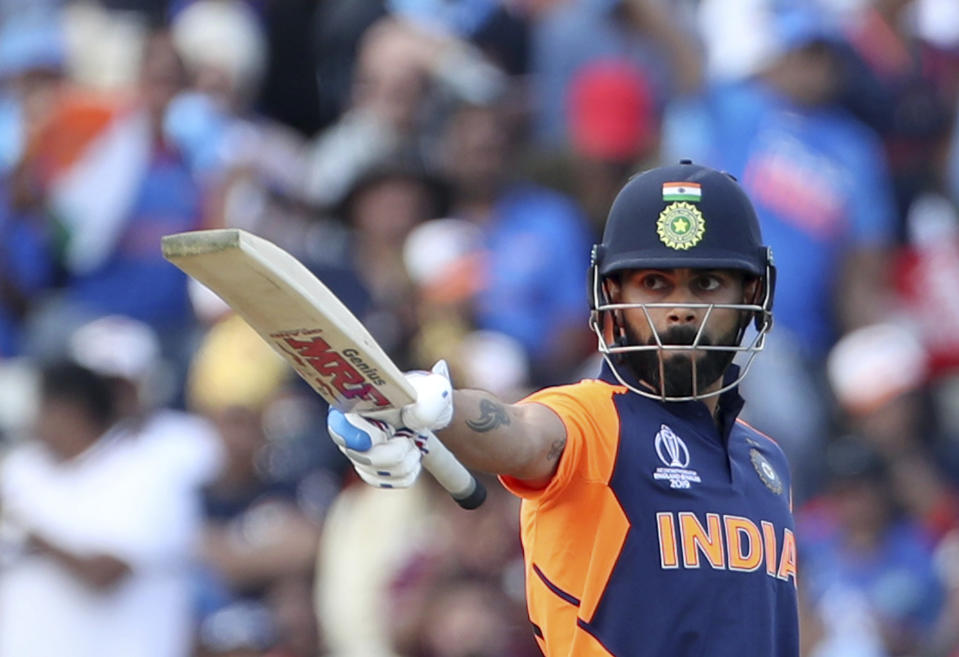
{"x": 433, "y": 408}
{"x": 383, "y": 456}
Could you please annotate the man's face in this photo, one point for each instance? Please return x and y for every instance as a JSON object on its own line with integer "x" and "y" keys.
{"x": 681, "y": 373}
{"x": 476, "y": 150}
{"x": 64, "y": 427}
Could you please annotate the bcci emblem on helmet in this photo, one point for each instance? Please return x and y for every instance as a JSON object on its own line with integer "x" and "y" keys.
{"x": 681, "y": 226}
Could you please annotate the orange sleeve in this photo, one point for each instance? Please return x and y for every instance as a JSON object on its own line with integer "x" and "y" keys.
{"x": 592, "y": 431}
{"x": 573, "y": 529}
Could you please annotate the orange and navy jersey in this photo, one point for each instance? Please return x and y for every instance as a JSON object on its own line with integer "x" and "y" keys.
{"x": 661, "y": 533}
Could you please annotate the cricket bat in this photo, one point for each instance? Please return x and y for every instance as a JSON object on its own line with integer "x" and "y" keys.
{"x": 310, "y": 327}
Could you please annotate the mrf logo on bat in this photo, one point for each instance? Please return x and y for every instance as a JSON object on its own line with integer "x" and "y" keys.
{"x": 341, "y": 374}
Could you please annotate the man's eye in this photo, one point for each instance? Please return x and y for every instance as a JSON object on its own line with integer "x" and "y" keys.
{"x": 654, "y": 282}
{"x": 708, "y": 283}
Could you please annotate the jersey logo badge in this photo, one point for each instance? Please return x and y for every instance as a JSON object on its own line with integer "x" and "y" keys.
{"x": 674, "y": 454}
{"x": 767, "y": 473}
{"x": 680, "y": 226}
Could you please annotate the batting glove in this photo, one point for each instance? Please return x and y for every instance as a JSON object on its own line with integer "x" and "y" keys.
{"x": 433, "y": 408}
{"x": 383, "y": 456}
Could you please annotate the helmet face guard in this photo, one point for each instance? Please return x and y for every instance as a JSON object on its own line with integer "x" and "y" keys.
{"x": 648, "y": 228}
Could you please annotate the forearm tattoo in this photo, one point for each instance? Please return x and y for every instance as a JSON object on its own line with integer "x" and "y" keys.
{"x": 492, "y": 415}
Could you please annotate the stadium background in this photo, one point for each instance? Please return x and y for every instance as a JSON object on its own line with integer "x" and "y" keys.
{"x": 445, "y": 166}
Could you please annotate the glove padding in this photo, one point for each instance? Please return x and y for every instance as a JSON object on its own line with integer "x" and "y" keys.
{"x": 433, "y": 408}
{"x": 383, "y": 456}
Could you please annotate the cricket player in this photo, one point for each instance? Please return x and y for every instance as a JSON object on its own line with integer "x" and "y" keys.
{"x": 654, "y": 522}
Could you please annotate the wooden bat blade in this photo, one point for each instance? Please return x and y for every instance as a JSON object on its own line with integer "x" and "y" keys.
{"x": 309, "y": 326}
{"x": 296, "y": 314}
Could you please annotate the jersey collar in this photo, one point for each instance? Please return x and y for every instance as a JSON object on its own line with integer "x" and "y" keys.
{"x": 728, "y": 409}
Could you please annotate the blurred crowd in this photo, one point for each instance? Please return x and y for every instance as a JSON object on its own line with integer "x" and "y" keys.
{"x": 167, "y": 486}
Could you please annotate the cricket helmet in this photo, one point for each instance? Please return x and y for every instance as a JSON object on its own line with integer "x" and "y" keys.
{"x": 681, "y": 216}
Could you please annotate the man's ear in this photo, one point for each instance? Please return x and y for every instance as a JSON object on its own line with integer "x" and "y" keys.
{"x": 613, "y": 289}
{"x": 613, "y": 325}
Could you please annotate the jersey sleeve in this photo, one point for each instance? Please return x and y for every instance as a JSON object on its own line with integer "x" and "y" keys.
{"x": 592, "y": 433}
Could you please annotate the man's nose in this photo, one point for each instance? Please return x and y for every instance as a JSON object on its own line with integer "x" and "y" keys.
{"x": 681, "y": 313}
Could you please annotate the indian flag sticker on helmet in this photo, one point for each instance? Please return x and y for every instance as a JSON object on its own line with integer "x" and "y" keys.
{"x": 682, "y": 191}
{"x": 681, "y": 226}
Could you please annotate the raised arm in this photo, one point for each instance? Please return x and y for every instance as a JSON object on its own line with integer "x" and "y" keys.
{"x": 524, "y": 441}
{"x": 521, "y": 440}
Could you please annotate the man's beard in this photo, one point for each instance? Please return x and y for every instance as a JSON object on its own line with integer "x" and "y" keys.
{"x": 678, "y": 365}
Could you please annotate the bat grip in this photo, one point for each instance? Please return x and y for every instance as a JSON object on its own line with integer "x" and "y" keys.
{"x": 452, "y": 475}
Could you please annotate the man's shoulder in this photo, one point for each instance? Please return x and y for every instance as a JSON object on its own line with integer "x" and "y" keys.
{"x": 585, "y": 391}
{"x": 26, "y": 455}
{"x": 188, "y": 443}
{"x": 179, "y": 423}
{"x": 758, "y": 438}
{"x": 26, "y": 468}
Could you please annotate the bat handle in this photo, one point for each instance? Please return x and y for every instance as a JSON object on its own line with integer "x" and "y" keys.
{"x": 452, "y": 475}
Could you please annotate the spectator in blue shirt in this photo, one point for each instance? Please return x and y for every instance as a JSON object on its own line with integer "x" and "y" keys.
{"x": 536, "y": 243}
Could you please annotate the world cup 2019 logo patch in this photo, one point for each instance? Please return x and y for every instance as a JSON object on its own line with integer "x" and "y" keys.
{"x": 680, "y": 226}
{"x": 674, "y": 454}
{"x": 767, "y": 473}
